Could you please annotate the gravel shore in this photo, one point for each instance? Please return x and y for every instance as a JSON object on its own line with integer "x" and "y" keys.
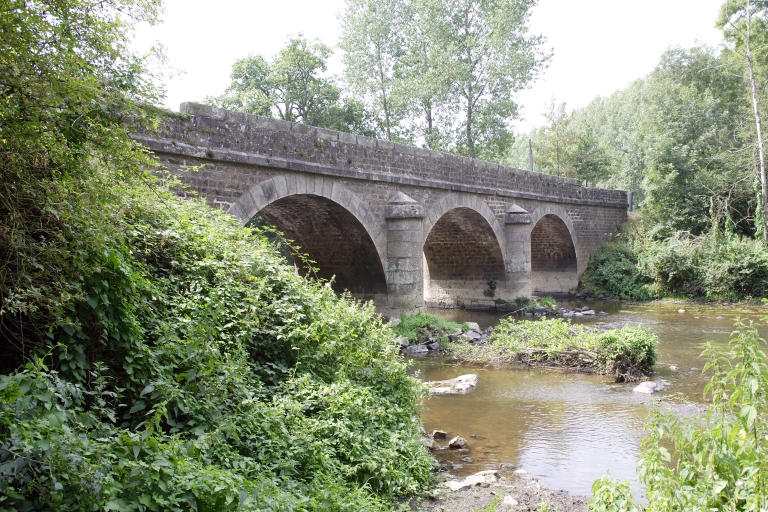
{"x": 518, "y": 492}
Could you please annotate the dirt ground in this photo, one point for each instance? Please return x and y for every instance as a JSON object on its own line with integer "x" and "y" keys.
{"x": 525, "y": 492}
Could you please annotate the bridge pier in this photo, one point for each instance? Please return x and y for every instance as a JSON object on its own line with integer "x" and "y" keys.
{"x": 517, "y": 227}
{"x": 405, "y": 247}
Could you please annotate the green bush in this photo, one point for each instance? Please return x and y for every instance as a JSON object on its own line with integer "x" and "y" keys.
{"x": 611, "y": 495}
{"x": 714, "y": 266}
{"x": 194, "y": 367}
{"x": 615, "y": 270}
{"x": 422, "y": 327}
{"x": 718, "y": 461}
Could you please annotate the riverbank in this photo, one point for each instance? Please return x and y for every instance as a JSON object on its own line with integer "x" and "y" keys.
{"x": 516, "y": 492}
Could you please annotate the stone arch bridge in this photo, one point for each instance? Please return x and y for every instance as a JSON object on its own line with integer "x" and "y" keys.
{"x": 399, "y": 225}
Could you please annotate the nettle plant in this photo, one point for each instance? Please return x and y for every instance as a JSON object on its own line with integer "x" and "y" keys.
{"x": 715, "y": 462}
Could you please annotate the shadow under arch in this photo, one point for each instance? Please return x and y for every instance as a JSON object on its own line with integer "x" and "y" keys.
{"x": 330, "y": 225}
{"x": 462, "y": 257}
{"x": 554, "y": 260}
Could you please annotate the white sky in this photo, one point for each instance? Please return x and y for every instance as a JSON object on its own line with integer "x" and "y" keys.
{"x": 599, "y": 45}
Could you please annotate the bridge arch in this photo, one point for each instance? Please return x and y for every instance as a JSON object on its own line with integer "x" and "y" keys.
{"x": 463, "y": 250}
{"x": 555, "y": 256}
{"x": 329, "y": 222}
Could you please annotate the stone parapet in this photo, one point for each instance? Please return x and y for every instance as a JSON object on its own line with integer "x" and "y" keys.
{"x": 211, "y": 133}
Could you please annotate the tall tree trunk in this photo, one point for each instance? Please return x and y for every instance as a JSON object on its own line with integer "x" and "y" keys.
{"x": 758, "y": 125}
{"x": 384, "y": 95}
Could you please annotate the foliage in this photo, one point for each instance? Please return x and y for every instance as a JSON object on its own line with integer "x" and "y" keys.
{"x": 292, "y": 87}
{"x": 627, "y": 354}
{"x": 372, "y": 41}
{"x": 173, "y": 361}
{"x": 528, "y": 304}
{"x": 715, "y": 462}
{"x": 716, "y": 266}
{"x": 421, "y": 327}
{"x": 611, "y": 495}
{"x": 68, "y": 83}
{"x": 206, "y": 347}
{"x": 614, "y": 269}
{"x": 445, "y": 72}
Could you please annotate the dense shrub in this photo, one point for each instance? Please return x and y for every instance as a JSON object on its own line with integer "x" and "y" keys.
{"x": 627, "y": 354}
{"x": 615, "y": 270}
{"x": 715, "y": 462}
{"x": 194, "y": 369}
{"x": 714, "y": 266}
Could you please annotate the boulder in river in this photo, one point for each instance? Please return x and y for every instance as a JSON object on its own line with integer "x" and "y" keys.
{"x": 457, "y": 442}
{"x": 439, "y": 434}
{"x": 414, "y": 350}
{"x": 460, "y": 385}
{"x": 473, "y": 326}
{"x": 649, "y": 387}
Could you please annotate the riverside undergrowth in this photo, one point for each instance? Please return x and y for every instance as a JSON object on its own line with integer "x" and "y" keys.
{"x": 190, "y": 368}
{"x": 628, "y": 354}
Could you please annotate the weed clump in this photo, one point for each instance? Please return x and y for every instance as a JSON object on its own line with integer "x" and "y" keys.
{"x": 423, "y": 327}
{"x": 628, "y": 354}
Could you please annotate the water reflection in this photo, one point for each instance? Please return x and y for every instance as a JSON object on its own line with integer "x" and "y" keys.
{"x": 567, "y": 429}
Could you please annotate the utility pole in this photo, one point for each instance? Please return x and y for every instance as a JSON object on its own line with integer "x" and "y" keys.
{"x": 530, "y": 155}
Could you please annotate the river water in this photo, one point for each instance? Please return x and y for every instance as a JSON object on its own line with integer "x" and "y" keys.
{"x": 568, "y": 429}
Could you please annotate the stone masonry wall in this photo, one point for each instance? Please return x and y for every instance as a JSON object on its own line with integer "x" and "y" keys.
{"x": 224, "y": 135}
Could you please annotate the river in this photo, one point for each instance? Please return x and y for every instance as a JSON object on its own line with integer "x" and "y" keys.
{"x": 568, "y": 429}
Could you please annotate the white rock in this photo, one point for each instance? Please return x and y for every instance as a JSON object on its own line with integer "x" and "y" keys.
{"x": 589, "y": 312}
{"x": 672, "y": 367}
{"x": 484, "y": 477}
{"x": 681, "y": 311}
{"x": 472, "y": 326}
{"x": 460, "y": 385}
{"x": 520, "y": 472}
{"x": 509, "y": 501}
{"x": 649, "y": 387}
{"x": 457, "y": 442}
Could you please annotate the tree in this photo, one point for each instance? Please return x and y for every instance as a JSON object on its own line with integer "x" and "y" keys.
{"x": 291, "y": 86}
{"x": 489, "y": 56}
{"x": 741, "y": 21}
{"x": 373, "y": 44}
{"x": 555, "y": 142}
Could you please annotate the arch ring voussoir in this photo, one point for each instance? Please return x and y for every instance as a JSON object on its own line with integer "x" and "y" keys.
{"x": 273, "y": 189}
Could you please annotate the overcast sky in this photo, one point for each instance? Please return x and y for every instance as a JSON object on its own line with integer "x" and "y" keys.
{"x": 599, "y": 45}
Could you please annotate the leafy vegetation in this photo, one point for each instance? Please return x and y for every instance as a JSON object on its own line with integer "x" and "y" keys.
{"x": 627, "y": 354}
{"x": 717, "y": 462}
{"x": 422, "y": 327}
{"x": 714, "y": 265}
{"x": 155, "y": 354}
{"x": 527, "y": 304}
